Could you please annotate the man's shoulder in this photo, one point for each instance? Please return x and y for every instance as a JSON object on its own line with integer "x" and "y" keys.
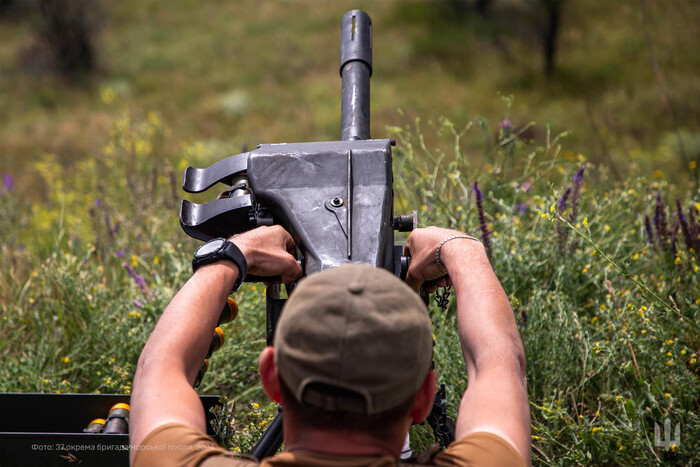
{"x": 479, "y": 449}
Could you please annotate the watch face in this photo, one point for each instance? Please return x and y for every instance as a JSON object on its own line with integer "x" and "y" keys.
{"x": 210, "y": 247}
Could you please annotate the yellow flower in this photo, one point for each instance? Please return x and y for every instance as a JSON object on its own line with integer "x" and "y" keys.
{"x": 606, "y": 227}
{"x": 658, "y": 174}
{"x": 584, "y": 270}
{"x": 585, "y": 222}
{"x": 683, "y": 352}
{"x": 669, "y": 354}
{"x": 635, "y": 257}
{"x": 644, "y": 331}
{"x": 423, "y": 207}
{"x": 602, "y": 307}
{"x": 678, "y": 260}
{"x": 692, "y": 164}
{"x": 134, "y": 260}
{"x": 65, "y": 360}
{"x": 596, "y": 429}
{"x": 107, "y": 95}
{"x": 669, "y": 363}
{"x": 667, "y": 394}
{"x": 156, "y": 260}
{"x": 693, "y": 360}
{"x": 621, "y": 447}
{"x": 670, "y": 341}
{"x": 256, "y": 405}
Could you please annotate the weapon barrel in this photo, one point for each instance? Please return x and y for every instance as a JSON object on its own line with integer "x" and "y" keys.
{"x": 355, "y": 70}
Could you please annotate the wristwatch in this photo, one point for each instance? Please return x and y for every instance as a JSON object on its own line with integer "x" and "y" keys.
{"x": 218, "y": 249}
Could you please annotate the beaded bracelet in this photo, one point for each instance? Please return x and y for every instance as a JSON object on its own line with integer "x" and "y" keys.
{"x": 437, "y": 252}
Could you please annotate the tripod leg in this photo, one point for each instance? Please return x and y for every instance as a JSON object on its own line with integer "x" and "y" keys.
{"x": 271, "y": 440}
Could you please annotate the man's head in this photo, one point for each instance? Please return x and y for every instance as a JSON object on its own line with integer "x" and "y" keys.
{"x": 353, "y": 340}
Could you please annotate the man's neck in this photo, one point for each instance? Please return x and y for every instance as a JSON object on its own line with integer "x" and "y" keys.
{"x": 349, "y": 443}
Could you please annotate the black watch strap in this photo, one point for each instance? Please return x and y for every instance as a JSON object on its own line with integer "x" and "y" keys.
{"x": 227, "y": 251}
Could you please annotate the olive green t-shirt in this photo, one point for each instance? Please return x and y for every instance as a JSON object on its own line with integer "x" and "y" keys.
{"x": 176, "y": 444}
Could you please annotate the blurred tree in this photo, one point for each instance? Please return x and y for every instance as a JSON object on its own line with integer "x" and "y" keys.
{"x": 550, "y": 14}
{"x": 65, "y": 38}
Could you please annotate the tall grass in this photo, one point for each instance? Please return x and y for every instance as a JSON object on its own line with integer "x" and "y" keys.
{"x": 608, "y": 314}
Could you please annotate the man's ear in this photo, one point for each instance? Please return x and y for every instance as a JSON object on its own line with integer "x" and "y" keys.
{"x": 268, "y": 374}
{"x": 425, "y": 397}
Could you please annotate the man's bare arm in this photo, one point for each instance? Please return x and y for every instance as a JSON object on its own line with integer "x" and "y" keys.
{"x": 496, "y": 397}
{"x": 169, "y": 363}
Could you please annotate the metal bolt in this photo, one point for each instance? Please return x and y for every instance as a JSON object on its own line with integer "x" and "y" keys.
{"x": 336, "y": 202}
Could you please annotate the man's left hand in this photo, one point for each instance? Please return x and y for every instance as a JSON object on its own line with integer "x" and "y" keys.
{"x": 269, "y": 252}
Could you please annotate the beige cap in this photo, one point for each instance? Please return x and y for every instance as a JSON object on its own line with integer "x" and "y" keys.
{"x": 353, "y": 338}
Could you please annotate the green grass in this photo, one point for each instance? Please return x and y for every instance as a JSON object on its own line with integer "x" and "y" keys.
{"x": 235, "y": 73}
{"x": 609, "y": 321}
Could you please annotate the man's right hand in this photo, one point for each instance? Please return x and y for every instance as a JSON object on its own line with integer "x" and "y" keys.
{"x": 269, "y": 252}
{"x": 422, "y": 246}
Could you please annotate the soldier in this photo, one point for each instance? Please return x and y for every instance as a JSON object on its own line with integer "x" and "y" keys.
{"x": 350, "y": 362}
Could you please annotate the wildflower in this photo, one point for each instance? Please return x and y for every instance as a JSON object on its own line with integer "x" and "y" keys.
{"x": 65, "y": 360}
{"x": 423, "y": 207}
{"x": 525, "y": 186}
{"x": 156, "y": 260}
{"x": 134, "y": 260}
{"x": 688, "y": 229}
{"x": 137, "y": 278}
{"x": 482, "y": 220}
{"x": 683, "y": 352}
{"x": 692, "y": 361}
{"x": 669, "y": 362}
{"x": 563, "y": 201}
{"x": 658, "y": 174}
{"x": 137, "y": 304}
{"x": 670, "y": 341}
{"x": 8, "y": 183}
{"x": 506, "y": 124}
{"x": 644, "y": 331}
{"x": 520, "y": 208}
{"x": 606, "y": 227}
{"x": 692, "y": 165}
{"x": 119, "y": 254}
{"x": 585, "y": 222}
{"x": 647, "y": 228}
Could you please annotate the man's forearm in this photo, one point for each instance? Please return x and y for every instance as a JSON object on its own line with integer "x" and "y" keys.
{"x": 487, "y": 328}
{"x": 496, "y": 396}
{"x": 174, "y": 353}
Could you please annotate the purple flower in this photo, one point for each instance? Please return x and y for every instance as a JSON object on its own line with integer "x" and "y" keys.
{"x": 578, "y": 176}
{"x": 685, "y": 228}
{"x": 525, "y": 186}
{"x": 137, "y": 303}
{"x": 647, "y": 228}
{"x": 137, "y": 278}
{"x": 563, "y": 201}
{"x": 119, "y": 254}
{"x": 485, "y": 236}
{"x": 520, "y": 208}
{"x": 98, "y": 202}
{"x": 506, "y": 124}
{"x": 8, "y": 183}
